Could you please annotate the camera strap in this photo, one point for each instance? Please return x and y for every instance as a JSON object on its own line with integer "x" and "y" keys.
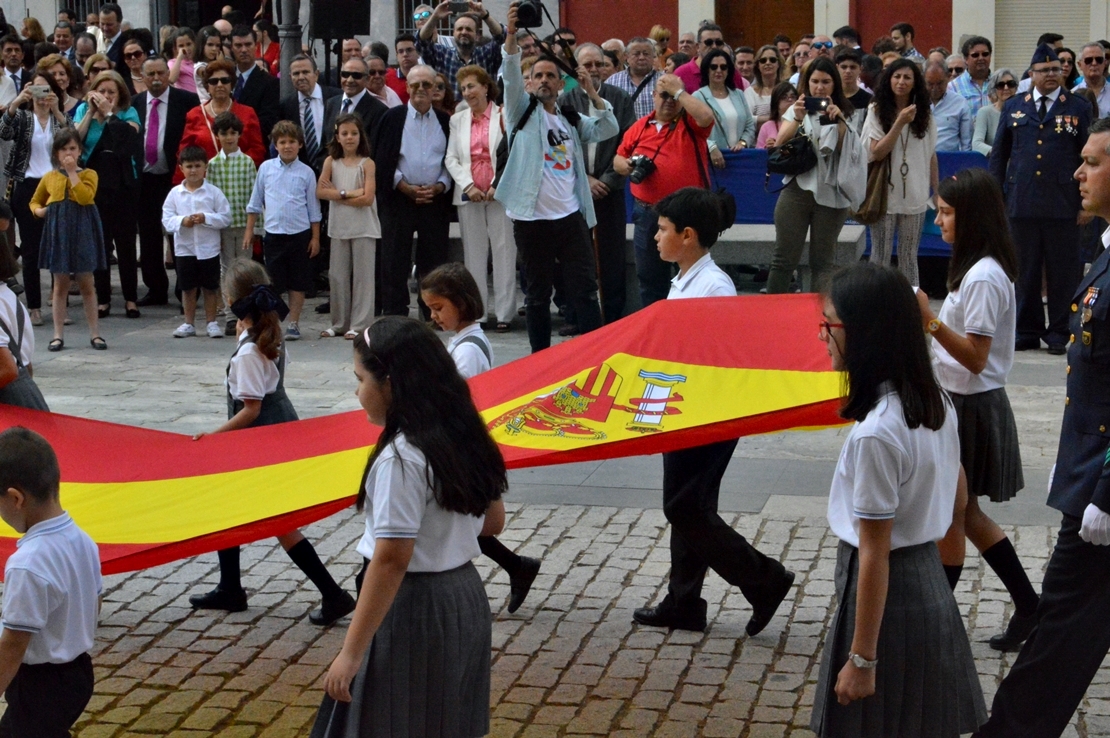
{"x": 640, "y": 87}
{"x": 533, "y": 101}
{"x": 697, "y": 152}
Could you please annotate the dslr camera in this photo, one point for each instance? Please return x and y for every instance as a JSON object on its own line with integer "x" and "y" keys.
{"x": 642, "y": 168}
{"x": 529, "y": 14}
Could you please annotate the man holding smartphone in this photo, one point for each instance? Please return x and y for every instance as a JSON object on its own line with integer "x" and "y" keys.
{"x": 449, "y": 60}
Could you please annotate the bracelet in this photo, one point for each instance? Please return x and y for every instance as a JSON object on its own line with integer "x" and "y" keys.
{"x": 486, "y": 16}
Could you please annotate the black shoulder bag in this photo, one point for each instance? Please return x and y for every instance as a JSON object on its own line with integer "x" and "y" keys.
{"x": 796, "y": 156}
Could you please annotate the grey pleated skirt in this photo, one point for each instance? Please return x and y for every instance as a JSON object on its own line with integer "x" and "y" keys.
{"x": 925, "y": 684}
{"x": 427, "y": 672}
{"x": 989, "y": 444}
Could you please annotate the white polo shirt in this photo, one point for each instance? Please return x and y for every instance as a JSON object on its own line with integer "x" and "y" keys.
{"x": 703, "y": 279}
{"x": 51, "y": 590}
{"x": 886, "y": 470}
{"x": 469, "y": 358}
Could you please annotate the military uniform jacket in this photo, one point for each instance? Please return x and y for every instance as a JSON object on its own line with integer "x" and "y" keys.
{"x": 1034, "y": 160}
{"x": 1082, "y": 474}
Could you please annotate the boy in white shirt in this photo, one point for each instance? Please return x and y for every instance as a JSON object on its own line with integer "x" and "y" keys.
{"x": 195, "y": 212}
{"x": 52, "y": 590}
{"x": 690, "y": 220}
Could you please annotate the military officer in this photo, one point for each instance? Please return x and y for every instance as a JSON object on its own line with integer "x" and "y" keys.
{"x": 1036, "y": 150}
{"x": 1048, "y": 680}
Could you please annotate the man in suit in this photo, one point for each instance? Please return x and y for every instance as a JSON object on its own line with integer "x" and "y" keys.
{"x": 11, "y": 50}
{"x": 162, "y": 110}
{"x": 1036, "y": 150}
{"x": 412, "y": 184}
{"x": 306, "y": 106}
{"x": 355, "y": 99}
{"x": 109, "y": 35}
{"x": 254, "y": 86}
{"x": 63, "y": 39}
{"x": 606, "y": 186}
{"x": 1045, "y": 685}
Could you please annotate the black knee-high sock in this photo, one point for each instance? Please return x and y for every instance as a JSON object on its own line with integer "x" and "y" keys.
{"x": 500, "y": 554}
{"x": 1004, "y": 560}
{"x": 229, "y": 569}
{"x": 953, "y": 573}
{"x": 304, "y": 556}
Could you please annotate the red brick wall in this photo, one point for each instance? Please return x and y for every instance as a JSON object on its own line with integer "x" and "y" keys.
{"x": 931, "y": 21}
{"x": 598, "y": 20}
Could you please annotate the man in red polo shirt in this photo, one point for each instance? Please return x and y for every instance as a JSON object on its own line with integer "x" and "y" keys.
{"x": 672, "y": 140}
{"x": 710, "y": 36}
{"x": 407, "y": 58}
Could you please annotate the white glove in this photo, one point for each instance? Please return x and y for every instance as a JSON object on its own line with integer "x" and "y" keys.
{"x": 1096, "y": 526}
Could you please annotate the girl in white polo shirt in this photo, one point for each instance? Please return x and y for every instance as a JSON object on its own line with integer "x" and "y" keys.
{"x": 416, "y": 659}
{"x": 897, "y": 661}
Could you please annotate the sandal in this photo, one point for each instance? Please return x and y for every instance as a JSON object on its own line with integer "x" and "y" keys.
{"x": 56, "y": 345}
{"x": 36, "y": 317}
{"x": 99, "y": 343}
{"x": 350, "y": 335}
{"x": 328, "y": 333}
{"x": 504, "y": 327}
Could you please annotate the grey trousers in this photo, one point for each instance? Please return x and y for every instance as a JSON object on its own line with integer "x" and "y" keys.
{"x": 909, "y": 236}
{"x": 797, "y": 213}
{"x": 351, "y": 278}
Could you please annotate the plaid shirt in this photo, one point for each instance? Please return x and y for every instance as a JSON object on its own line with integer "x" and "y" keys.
{"x": 234, "y": 176}
{"x": 976, "y": 95}
{"x": 446, "y": 59}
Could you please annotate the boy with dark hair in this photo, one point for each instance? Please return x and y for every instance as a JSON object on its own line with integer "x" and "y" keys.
{"x": 690, "y": 220}
{"x": 195, "y": 212}
{"x": 51, "y": 597}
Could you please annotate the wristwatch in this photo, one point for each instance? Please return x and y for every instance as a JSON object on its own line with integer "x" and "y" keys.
{"x": 486, "y": 16}
{"x": 343, "y": 194}
{"x": 862, "y": 663}
{"x": 678, "y": 94}
{"x": 933, "y": 327}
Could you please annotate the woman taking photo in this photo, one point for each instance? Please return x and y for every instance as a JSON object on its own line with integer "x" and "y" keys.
{"x": 783, "y": 98}
{"x": 416, "y": 657}
{"x": 973, "y": 352}
{"x": 109, "y": 126}
{"x": 900, "y": 125}
{"x": 58, "y": 67}
{"x": 769, "y": 72}
{"x": 219, "y": 80}
{"x": 1002, "y": 85}
{"x": 134, "y": 54}
{"x": 210, "y": 47}
{"x": 32, "y": 132}
{"x": 735, "y": 127}
{"x": 472, "y": 160}
{"x": 897, "y": 661}
{"x": 813, "y": 201}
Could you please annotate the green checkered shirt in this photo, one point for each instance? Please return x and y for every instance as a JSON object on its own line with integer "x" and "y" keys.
{"x": 234, "y": 176}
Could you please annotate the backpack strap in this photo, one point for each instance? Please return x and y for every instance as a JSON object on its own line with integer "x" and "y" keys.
{"x": 480, "y": 344}
{"x": 533, "y": 101}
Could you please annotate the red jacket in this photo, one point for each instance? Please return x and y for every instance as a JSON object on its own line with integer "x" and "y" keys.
{"x": 198, "y": 132}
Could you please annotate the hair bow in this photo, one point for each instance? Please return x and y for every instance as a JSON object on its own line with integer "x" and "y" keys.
{"x": 262, "y": 299}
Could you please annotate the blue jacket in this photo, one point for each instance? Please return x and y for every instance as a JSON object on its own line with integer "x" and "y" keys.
{"x": 1034, "y": 161}
{"x": 520, "y": 184}
{"x": 746, "y": 124}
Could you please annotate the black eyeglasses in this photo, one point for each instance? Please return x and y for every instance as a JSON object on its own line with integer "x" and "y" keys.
{"x": 376, "y": 72}
{"x": 1008, "y": 85}
{"x": 352, "y": 75}
{"x": 714, "y": 42}
{"x": 219, "y": 80}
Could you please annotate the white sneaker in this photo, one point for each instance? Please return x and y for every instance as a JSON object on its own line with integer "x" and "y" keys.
{"x": 185, "y": 330}
{"x": 214, "y": 330}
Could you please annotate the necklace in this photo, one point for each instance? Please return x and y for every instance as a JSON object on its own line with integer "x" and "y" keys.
{"x": 905, "y": 168}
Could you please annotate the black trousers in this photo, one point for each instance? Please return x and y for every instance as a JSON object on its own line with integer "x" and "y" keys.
{"x": 117, "y": 218}
{"x": 1051, "y": 243}
{"x": 151, "y": 244}
{"x": 30, "y": 236}
{"x": 610, "y": 238}
{"x": 1056, "y": 665}
{"x": 402, "y": 219}
{"x": 700, "y": 539}
{"x": 45, "y": 700}
{"x": 540, "y": 243}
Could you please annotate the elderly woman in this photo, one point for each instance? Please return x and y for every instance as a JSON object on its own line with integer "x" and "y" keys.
{"x": 134, "y": 54}
{"x": 1002, "y": 85}
{"x": 58, "y": 67}
{"x": 769, "y": 71}
{"x": 472, "y": 160}
{"x": 219, "y": 80}
{"x": 109, "y": 127}
{"x": 32, "y": 132}
{"x": 735, "y": 127}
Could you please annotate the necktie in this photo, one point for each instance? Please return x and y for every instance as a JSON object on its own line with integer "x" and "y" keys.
{"x": 346, "y": 105}
{"x": 311, "y": 145}
{"x": 18, "y": 80}
{"x": 153, "y": 122}
{"x": 1044, "y": 106}
{"x": 239, "y": 84}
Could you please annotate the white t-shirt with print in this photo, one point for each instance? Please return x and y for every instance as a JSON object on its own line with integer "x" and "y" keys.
{"x": 557, "y": 198}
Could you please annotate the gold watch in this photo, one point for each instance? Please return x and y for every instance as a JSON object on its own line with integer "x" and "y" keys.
{"x": 933, "y": 327}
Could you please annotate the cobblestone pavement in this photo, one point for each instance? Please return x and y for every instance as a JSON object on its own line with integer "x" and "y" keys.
{"x": 570, "y": 661}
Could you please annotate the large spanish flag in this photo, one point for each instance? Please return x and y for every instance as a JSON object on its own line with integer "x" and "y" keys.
{"x": 678, "y": 374}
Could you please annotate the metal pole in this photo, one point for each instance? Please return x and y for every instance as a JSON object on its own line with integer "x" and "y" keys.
{"x": 289, "y": 33}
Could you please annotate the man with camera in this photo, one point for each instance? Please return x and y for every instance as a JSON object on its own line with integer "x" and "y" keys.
{"x": 450, "y": 60}
{"x": 662, "y": 152}
{"x": 545, "y": 188}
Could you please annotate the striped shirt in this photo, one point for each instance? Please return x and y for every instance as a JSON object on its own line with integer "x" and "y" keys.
{"x": 976, "y": 95}
{"x": 234, "y": 176}
{"x": 287, "y": 195}
{"x": 644, "y": 104}
{"x": 446, "y": 59}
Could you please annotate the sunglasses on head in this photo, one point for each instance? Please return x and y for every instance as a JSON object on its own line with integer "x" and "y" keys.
{"x": 352, "y": 75}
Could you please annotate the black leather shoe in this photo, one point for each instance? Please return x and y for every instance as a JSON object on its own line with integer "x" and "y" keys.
{"x": 1027, "y": 344}
{"x": 1018, "y": 629}
{"x": 522, "y": 582}
{"x": 762, "y": 613}
{"x": 219, "y": 599}
{"x": 671, "y": 617}
{"x": 148, "y": 299}
{"x": 332, "y": 610}
{"x": 1057, "y": 349}
{"x": 324, "y": 308}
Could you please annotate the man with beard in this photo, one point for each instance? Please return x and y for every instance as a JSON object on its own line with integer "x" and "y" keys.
{"x": 449, "y": 61}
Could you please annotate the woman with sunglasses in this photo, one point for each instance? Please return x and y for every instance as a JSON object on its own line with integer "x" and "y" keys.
{"x": 897, "y": 661}
{"x": 769, "y": 71}
{"x": 799, "y": 57}
{"x": 735, "y": 126}
{"x": 443, "y": 95}
{"x": 1003, "y": 85}
{"x": 1071, "y": 69}
{"x": 662, "y": 38}
{"x": 219, "y": 79}
{"x": 134, "y": 54}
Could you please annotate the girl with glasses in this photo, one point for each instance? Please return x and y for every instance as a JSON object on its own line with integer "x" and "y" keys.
{"x": 769, "y": 71}
{"x": 1003, "y": 85}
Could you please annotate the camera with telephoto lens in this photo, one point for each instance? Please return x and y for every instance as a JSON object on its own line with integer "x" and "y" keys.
{"x": 642, "y": 168}
{"x": 529, "y": 14}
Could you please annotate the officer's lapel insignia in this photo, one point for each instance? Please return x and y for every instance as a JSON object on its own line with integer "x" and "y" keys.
{"x": 1062, "y": 97}
{"x": 1028, "y": 98}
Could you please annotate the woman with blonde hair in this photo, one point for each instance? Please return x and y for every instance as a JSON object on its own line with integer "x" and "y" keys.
{"x": 662, "y": 37}
{"x": 769, "y": 71}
